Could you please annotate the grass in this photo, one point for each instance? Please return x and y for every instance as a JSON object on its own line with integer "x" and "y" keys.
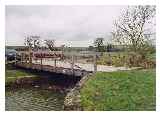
{"x": 11, "y": 74}
{"x": 152, "y": 56}
{"x": 121, "y": 90}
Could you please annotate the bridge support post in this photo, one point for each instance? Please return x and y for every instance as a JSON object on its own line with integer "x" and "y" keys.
{"x": 95, "y": 63}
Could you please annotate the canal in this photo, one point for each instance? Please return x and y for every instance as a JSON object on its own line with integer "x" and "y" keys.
{"x": 45, "y": 92}
{"x": 30, "y": 99}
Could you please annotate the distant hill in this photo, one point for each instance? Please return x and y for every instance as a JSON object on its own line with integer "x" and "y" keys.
{"x": 14, "y": 47}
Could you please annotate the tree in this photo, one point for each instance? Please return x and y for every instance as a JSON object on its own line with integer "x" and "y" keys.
{"x": 90, "y": 48}
{"x": 99, "y": 44}
{"x": 131, "y": 30}
{"x": 109, "y": 47}
{"x": 62, "y": 47}
{"x": 33, "y": 42}
{"x": 50, "y": 44}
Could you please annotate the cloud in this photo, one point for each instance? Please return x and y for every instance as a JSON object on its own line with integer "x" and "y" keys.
{"x": 63, "y": 23}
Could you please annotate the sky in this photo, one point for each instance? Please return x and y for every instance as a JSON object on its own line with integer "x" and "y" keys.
{"x": 75, "y": 26}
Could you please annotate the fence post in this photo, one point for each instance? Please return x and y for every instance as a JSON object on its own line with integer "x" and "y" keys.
{"x": 25, "y": 58}
{"x": 95, "y": 63}
{"x": 55, "y": 64}
{"x": 16, "y": 59}
{"x": 110, "y": 60}
{"x": 72, "y": 65}
{"x": 41, "y": 63}
{"x": 21, "y": 57}
{"x": 30, "y": 58}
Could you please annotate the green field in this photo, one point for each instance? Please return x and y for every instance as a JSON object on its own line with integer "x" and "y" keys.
{"x": 121, "y": 90}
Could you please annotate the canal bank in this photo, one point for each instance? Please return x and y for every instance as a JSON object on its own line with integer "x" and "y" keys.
{"x": 72, "y": 99}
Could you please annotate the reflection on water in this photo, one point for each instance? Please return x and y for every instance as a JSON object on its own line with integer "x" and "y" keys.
{"x": 30, "y": 99}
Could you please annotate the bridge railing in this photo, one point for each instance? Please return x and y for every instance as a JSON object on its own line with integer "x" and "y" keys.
{"x": 59, "y": 59}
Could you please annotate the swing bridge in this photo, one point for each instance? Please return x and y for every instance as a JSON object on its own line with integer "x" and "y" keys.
{"x": 57, "y": 62}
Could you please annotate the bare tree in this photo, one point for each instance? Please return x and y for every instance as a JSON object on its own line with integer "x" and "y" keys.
{"x": 32, "y": 42}
{"x": 62, "y": 47}
{"x": 131, "y": 28}
{"x": 90, "y": 48}
{"x": 99, "y": 44}
{"x": 50, "y": 44}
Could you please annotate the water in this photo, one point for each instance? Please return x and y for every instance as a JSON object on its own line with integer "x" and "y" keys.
{"x": 33, "y": 99}
{"x": 44, "y": 92}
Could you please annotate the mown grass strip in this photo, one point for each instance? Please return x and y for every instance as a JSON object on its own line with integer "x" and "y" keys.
{"x": 121, "y": 90}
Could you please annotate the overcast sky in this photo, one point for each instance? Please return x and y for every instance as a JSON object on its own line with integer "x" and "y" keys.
{"x": 70, "y": 25}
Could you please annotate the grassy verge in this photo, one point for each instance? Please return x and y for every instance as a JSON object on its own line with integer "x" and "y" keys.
{"x": 121, "y": 90}
{"x": 11, "y": 74}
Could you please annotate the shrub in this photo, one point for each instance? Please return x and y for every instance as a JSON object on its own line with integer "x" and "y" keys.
{"x": 129, "y": 60}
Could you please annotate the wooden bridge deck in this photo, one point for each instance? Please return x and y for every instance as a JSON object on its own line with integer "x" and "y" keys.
{"x": 58, "y": 70}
